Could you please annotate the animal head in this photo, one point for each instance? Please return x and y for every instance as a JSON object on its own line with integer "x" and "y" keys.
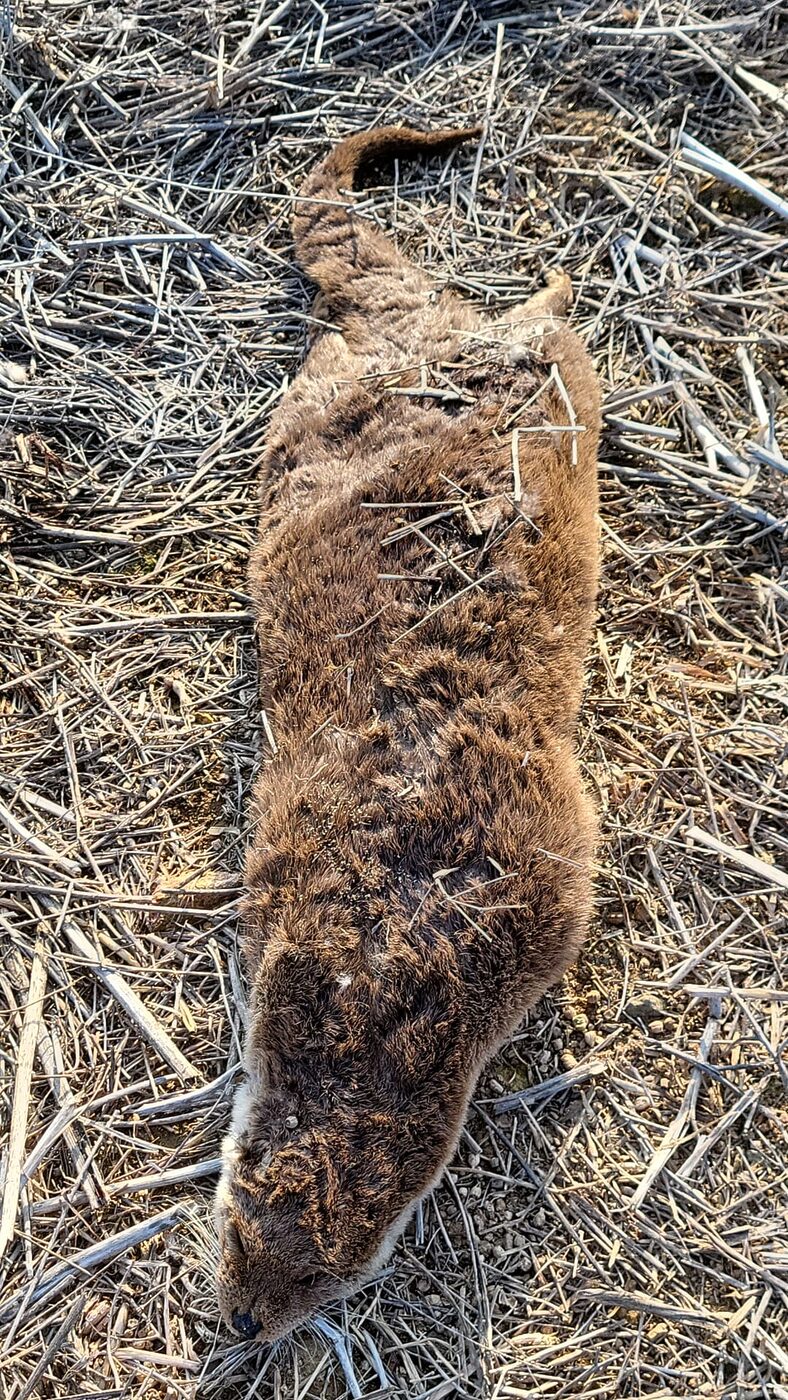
{"x": 307, "y": 1215}
{"x": 271, "y": 1274}
{"x": 321, "y": 1176}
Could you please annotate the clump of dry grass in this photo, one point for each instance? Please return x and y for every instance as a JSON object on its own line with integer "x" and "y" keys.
{"x": 618, "y": 1228}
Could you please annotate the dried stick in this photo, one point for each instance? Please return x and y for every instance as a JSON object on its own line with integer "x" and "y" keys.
{"x": 24, "y": 1071}
{"x": 54, "y": 1280}
{"x": 18, "y": 829}
{"x": 67, "y": 1325}
{"x": 50, "y": 1055}
{"x": 119, "y": 988}
{"x": 698, "y": 154}
{"x": 675, "y": 1133}
{"x": 771, "y": 873}
{"x": 540, "y": 1093}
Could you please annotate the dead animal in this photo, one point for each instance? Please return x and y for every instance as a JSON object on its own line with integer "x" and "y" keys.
{"x": 419, "y": 868}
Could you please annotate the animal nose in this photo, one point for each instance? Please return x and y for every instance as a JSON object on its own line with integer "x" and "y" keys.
{"x": 246, "y": 1325}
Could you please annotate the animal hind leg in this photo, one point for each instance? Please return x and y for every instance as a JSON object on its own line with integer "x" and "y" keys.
{"x": 536, "y": 330}
{"x": 523, "y": 327}
{"x": 553, "y": 300}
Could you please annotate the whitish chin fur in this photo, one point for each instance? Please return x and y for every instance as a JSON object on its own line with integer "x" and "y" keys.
{"x": 242, "y": 1105}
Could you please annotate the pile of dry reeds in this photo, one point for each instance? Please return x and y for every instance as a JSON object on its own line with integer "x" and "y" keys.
{"x": 615, "y": 1223}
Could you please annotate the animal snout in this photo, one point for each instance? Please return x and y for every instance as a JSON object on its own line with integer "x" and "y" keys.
{"x": 246, "y": 1325}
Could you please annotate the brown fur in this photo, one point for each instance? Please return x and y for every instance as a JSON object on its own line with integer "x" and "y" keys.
{"x": 419, "y": 867}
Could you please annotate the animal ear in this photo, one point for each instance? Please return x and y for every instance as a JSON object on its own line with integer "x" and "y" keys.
{"x": 316, "y": 1278}
{"x": 232, "y": 1240}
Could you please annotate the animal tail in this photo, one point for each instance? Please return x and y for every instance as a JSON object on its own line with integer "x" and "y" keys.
{"x": 340, "y": 252}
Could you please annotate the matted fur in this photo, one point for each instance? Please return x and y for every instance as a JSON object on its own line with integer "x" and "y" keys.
{"x": 424, "y": 586}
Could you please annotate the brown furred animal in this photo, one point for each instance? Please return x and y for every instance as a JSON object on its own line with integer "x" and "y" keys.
{"x": 424, "y": 586}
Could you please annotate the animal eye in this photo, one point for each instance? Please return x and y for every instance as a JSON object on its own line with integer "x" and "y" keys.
{"x": 312, "y": 1280}
{"x": 233, "y": 1241}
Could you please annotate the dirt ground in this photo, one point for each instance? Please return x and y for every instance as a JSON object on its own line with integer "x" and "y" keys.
{"x": 621, "y": 1230}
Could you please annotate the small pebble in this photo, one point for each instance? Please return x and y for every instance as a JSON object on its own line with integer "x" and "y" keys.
{"x": 643, "y": 1009}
